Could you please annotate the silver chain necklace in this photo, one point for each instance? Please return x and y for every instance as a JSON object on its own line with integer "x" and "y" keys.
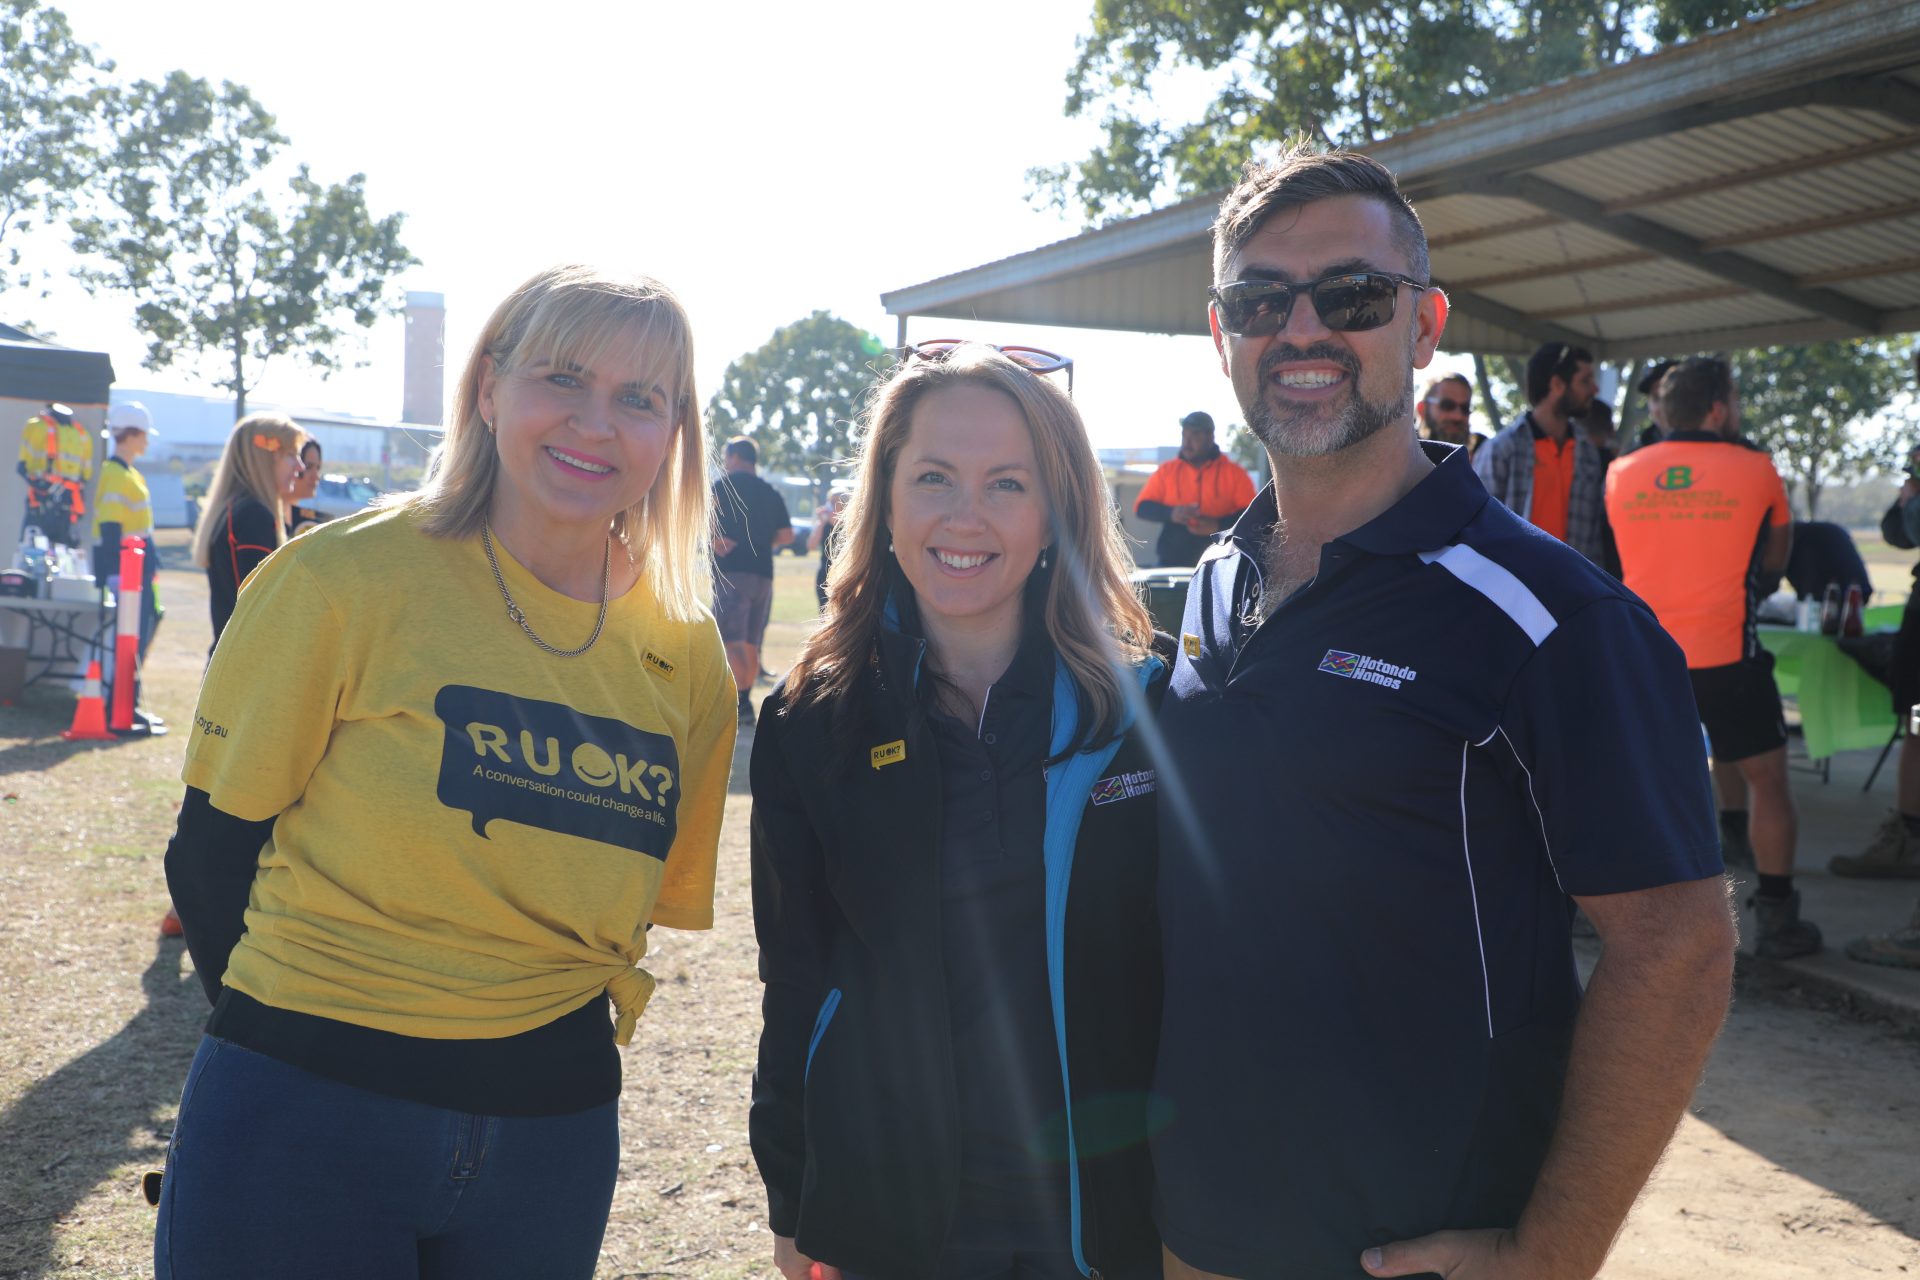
{"x": 519, "y": 615}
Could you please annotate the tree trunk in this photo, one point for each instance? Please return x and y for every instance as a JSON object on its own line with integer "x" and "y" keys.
{"x": 1626, "y": 417}
{"x": 239, "y": 377}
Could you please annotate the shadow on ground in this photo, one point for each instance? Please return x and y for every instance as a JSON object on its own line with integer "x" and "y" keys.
{"x": 95, "y": 1115}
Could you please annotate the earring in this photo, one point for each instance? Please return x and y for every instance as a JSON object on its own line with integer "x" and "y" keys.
{"x": 1043, "y": 556}
{"x": 889, "y": 546}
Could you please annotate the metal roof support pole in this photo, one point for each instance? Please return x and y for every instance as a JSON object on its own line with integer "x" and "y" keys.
{"x": 1538, "y": 331}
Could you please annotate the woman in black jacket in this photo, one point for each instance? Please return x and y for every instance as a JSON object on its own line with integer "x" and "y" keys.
{"x": 244, "y": 519}
{"x": 954, "y": 857}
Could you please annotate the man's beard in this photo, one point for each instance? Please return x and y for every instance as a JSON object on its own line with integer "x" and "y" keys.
{"x": 1314, "y": 431}
{"x": 1448, "y": 432}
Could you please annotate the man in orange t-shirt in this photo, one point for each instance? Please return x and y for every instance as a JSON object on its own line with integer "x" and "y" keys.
{"x": 1701, "y": 521}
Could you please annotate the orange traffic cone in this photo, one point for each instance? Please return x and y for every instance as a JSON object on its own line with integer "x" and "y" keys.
{"x": 90, "y": 716}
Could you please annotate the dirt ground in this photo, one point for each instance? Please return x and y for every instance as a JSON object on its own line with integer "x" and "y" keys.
{"x": 1801, "y": 1157}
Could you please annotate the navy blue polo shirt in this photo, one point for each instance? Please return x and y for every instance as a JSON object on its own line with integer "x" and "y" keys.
{"x": 1388, "y": 791}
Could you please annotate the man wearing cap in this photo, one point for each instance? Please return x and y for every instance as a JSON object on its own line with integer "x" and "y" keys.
{"x": 1540, "y": 467}
{"x": 1195, "y": 495}
{"x": 1404, "y": 735}
{"x": 123, "y": 512}
{"x": 1649, "y": 386}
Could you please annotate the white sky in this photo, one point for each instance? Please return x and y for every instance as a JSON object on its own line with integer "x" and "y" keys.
{"x": 765, "y": 160}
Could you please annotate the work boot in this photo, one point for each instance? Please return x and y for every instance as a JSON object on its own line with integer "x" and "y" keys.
{"x": 1893, "y": 853}
{"x": 1780, "y": 933}
{"x": 1897, "y": 950}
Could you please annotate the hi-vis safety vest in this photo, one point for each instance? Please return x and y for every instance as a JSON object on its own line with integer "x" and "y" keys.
{"x": 60, "y": 453}
{"x": 122, "y": 499}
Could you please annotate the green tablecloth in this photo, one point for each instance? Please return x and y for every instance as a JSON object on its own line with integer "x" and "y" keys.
{"x": 1842, "y": 708}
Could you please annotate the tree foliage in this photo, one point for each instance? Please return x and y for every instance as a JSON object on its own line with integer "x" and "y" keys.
{"x": 218, "y": 259}
{"x": 51, "y": 93}
{"x": 1813, "y": 408}
{"x": 1347, "y": 72}
{"x": 798, "y": 395}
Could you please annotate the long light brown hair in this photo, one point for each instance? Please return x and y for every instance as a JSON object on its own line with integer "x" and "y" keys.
{"x": 1095, "y": 622}
{"x": 246, "y": 470}
{"x": 581, "y": 315}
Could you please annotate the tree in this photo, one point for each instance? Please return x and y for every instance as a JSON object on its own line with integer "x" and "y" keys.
{"x": 1811, "y": 406}
{"x": 1343, "y": 71}
{"x": 50, "y": 96}
{"x": 797, "y": 396}
{"x": 218, "y": 262}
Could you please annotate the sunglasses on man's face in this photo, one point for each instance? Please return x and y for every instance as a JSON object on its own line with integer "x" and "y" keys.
{"x": 1348, "y": 303}
{"x": 1444, "y": 405}
{"x": 1032, "y": 359}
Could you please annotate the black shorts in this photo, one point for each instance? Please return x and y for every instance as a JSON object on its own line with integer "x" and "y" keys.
{"x": 1903, "y": 675}
{"x": 1740, "y": 705}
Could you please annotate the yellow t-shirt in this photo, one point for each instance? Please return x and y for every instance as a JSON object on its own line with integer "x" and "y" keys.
{"x": 472, "y": 834}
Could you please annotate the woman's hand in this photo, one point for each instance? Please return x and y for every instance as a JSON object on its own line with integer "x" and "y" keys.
{"x": 795, "y": 1265}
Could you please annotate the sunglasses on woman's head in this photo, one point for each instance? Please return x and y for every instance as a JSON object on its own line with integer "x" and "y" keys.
{"x": 1348, "y": 303}
{"x": 1032, "y": 359}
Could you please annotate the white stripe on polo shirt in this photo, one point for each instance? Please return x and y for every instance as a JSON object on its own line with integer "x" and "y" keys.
{"x": 1473, "y": 893}
{"x": 1498, "y": 584}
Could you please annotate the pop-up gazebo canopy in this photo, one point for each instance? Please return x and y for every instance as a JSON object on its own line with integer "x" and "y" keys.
{"x": 1756, "y": 187}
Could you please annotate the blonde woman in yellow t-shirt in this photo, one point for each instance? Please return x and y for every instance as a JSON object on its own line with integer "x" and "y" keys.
{"x": 454, "y": 756}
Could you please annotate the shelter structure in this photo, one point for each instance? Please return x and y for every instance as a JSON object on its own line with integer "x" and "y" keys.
{"x": 34, "y": 372}
{"x": 1756, "y": 187}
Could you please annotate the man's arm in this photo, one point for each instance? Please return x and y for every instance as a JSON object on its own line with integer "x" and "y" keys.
{"x": 1152, "y": 503}
{"x": 1779, "y": 547}
{"x": 1652, "y": 1010}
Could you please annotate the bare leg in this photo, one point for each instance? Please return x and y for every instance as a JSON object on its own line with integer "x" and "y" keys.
{"x": 1772, "y": 826}
{"x": 744, "y": 660}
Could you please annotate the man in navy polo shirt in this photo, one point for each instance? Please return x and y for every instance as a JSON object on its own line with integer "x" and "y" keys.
{"x": 1407, "y": 732}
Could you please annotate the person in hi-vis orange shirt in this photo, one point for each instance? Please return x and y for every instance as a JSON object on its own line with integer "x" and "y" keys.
{"x": 1701, "y": 521}
{"x": 1195, "y": 495}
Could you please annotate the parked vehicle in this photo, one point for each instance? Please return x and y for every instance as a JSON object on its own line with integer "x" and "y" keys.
{"x": 172, "y": 508}
{"x": 802, "y": 533}
{"x": 341, "y": 496}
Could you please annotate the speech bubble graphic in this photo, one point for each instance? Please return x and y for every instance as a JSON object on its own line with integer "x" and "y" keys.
{"x": 543, "y": 764}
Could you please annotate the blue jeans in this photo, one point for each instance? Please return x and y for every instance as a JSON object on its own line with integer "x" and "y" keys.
{"x": 274, "y": 1171}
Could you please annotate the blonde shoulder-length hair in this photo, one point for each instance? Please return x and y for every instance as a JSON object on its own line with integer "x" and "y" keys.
{"x": 1093, "y": 618}
{"x": 246, "y": 470}
{"x": 582, "y": 316}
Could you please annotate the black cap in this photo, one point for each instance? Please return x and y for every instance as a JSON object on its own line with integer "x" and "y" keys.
{"x": 1646, "y": 385}
{"x": 1198, "y": 420}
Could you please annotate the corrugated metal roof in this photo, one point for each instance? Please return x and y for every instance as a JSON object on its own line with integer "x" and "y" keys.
{"x": 1762, "y": 184}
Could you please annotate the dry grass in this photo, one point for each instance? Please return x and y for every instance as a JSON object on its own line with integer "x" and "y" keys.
{"x": 102, "y": 1018}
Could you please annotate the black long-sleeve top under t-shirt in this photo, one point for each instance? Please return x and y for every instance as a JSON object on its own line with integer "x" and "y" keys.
{"x": 247, "y": 533}
{"x": 568, "y": 1065}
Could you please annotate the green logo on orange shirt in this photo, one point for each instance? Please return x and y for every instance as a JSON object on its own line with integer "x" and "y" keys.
{"x": 1674, "y": 478}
